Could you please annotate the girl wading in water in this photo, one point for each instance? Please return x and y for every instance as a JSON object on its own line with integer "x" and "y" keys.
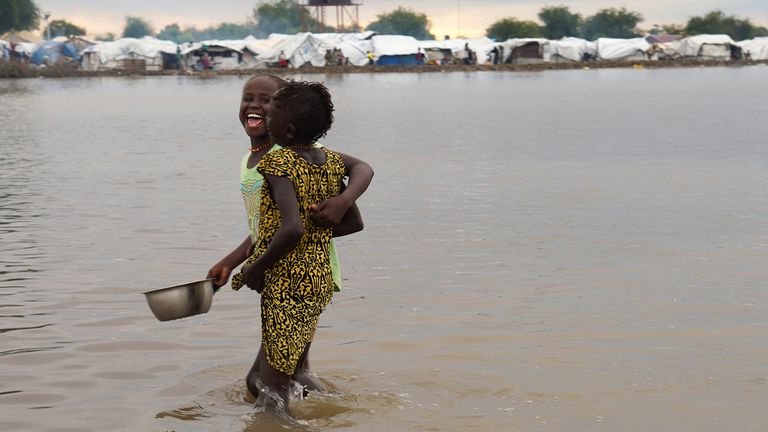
{"x": 291, "y": 266}
{"x": 254, "y": 107}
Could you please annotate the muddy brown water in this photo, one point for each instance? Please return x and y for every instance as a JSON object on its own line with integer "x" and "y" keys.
{"x": 544, "y": 251}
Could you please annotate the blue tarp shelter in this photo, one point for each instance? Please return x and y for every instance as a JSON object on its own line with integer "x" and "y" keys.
{"x": 51, "y": 51}
{"x": 406, "y": 59}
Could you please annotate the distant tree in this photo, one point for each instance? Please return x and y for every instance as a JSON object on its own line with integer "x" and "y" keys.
{"x": 674, "y": 29}
{"x": 284, "y": 16}
{"x": 402, "y": 21}
{"x": 233, "y": 31}
{"x": 173, "y": 32}
{"x": 509, "y": 28}
{"x": 200, "y": 34}
{"x": 717, "y": 22}
{"x": 109, "y": 37}
{"x": 64, "y": 28}
{"x": 351, "y": 28}
{"x": 18, "y": 15}
{"x": 613, "y": 22}
{"x": 559, "y": 22}
{"x": 136, "y": 27}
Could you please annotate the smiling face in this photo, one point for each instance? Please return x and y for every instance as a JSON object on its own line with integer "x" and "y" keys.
{"x": 254, "y": 105}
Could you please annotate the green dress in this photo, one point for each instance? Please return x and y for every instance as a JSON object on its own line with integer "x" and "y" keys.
{"x": 300, "y": 285}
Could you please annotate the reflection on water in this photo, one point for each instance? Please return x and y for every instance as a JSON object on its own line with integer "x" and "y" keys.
{"x": 22, "y": 204}
{"x": 569, "y": 251}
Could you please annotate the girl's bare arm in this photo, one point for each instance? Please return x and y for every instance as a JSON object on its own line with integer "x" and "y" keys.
{"x": 331, "y": 211}
{"x": 287, "y": 236}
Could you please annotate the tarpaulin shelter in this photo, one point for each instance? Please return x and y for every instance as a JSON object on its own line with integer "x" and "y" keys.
{"x": 457, "y": 48}
{"x": 395, "y": 50}
{"x": 570, "y": 49}
{"x": 354, "y": 46}
{"x": 50, "y": 52}
{"x": 524, "y": 50}
{"x": 634, "y": 49}
{"x": 299, "y": 49}
{"x": 230, "y": 54}
{"x": 754, "y": 49}
{"x": 717, "y": 47}
{"x": 128, "y": 53}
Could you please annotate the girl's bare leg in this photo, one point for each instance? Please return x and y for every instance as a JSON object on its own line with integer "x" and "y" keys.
{"x": 252, "y": 381}
{"x": 303, "y": 375}
{"x": 276, "y": 386}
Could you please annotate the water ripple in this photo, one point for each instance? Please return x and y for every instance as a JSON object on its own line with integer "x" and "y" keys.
{"x": 26, "y": 350}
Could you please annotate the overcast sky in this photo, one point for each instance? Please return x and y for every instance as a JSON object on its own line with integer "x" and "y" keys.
{"x": 449, "y": 17}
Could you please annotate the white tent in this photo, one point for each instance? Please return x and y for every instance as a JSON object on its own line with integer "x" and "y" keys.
{"x": 665, "y": 50}
{"x": 437, "y": 52}
{"x": 481, "y": 46}
{"x": 395, "y": 49}
{"x": 475, "y": 44}
{"x": 570, "y": 49}
{"x": 334, "y": 39}
{"x": 511, "y": 45}
{"x": 260, "y": 47}
{"x": 117, "y": 54}
{"x": 298, "y": 49}
{"x": 356, "y": 51}
{"x": 79, "y": 42}
{"x": 354, "y": 46}
{"x": 755, "y": 49}
{"x": 394, "y": 45}
{"x": 233, "y": 53}
{"x": 622, "y": 49}
{"x": 26, "y": 48}
{"x": 707, "y": 46}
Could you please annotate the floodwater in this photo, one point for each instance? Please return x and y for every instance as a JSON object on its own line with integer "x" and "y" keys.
{"x": 550, "y": 251}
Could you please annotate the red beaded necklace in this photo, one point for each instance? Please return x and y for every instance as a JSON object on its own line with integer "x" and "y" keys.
{"x": 262, "y": 147}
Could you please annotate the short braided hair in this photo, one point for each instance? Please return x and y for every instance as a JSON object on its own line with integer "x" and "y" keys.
{"x": 309, "y": 107}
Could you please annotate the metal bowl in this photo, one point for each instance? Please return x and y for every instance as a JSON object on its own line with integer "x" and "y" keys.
{"x": 181, "y": 301}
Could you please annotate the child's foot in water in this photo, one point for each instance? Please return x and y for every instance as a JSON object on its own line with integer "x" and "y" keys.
{"x": 308, "y": 381}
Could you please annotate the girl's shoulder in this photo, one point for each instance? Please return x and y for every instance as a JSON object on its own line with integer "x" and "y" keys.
{"x": 336, "y": 158}
{"x": 335, "y": 161}
{"x": 277, "y": 155}
{"x": 278, "y": 162}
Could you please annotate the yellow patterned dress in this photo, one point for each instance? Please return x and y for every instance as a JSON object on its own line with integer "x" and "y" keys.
{"x": 300, "y": 285}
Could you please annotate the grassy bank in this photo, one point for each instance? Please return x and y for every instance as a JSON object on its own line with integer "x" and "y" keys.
{"x": 17, "y": 70}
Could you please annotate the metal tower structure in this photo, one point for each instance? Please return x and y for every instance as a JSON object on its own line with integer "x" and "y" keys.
{"x": 343, "y": 9}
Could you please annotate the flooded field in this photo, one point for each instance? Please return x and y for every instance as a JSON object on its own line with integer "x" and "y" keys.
{"x": 544, "y": 251}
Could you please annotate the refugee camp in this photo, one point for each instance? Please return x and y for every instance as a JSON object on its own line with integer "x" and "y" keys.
{"x": 376, "y": 216}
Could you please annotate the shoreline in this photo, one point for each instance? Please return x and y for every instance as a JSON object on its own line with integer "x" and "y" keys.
{"x": 14, "y": 70}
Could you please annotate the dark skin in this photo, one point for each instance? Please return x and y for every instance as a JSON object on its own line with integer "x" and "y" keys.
{"x": 350, "y": 222}
{"x": 283, "y": 193}
{"x": 287, "y": 236}
{"x": 254, "y": 107}
{"x": 257, "y": 94}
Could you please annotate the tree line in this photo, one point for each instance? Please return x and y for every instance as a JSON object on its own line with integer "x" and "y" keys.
{"x": 559, "y": 21}
{"x": 269, "y": 16}
{"x": 289, "y": 17}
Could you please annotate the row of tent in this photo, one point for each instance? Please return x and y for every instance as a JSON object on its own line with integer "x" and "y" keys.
{"x": 311, "y": 49}
{"x": 45, "y": 52}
